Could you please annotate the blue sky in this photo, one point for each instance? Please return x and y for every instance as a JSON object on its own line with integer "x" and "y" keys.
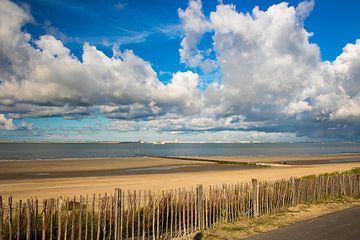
{"x": 139, "y": 24}
{"x": 155, "y": 32}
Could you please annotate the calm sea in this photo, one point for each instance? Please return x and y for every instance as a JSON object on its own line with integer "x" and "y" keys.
{"x": 14, "y": 151}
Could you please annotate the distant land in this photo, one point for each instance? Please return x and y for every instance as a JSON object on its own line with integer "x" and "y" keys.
{"x": 167, "y": 142}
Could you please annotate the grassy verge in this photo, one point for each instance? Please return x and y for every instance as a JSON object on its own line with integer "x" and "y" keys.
{"x": 248, "y": 227}
{"x": 355, "y": 170}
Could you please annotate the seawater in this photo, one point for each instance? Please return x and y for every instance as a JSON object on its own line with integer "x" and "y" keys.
{"x": 25, "y": 151}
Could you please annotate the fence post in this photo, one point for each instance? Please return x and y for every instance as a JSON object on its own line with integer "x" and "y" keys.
{"x": 104, "y": 206}
{"x": 116, "y": 228}
{"x": 92, "y": 224}
{"x": 36, "y": 219}
{"x": 86, "y": 217}
{"x": 28, "y": 222}
{"x": 255, "y": 196}
{"x": 293, "y": 189}
{"x": 73, "y": 219}
{"x": 1, "y": 219}
{"x": 59, "y": 202}
{"x": 43, "y": 230}
{"x": 10, "y": 218}
{"x": 200, "y": 204}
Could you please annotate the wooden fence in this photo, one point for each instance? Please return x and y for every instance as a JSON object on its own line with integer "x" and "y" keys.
{"x": 162, "y": 215}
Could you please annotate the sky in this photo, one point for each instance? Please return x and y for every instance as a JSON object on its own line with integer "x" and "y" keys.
{"x": 193, "y": 70}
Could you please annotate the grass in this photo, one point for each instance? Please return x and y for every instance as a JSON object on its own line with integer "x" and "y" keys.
{"x": 355, "y": 170}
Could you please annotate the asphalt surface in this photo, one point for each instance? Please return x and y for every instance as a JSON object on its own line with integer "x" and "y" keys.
{"x": 343, "y": 225}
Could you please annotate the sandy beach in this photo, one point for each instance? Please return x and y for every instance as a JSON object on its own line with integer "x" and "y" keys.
{"x": 52, "y": 178}
{"x": 291, "y": 158}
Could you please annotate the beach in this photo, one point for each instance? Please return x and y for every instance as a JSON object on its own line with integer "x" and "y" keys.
{"x": 54, "y": 178}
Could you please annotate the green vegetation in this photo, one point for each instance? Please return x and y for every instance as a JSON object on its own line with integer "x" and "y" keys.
{"x": 355, "y": 170}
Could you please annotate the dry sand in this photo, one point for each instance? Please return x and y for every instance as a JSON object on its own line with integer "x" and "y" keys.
{"x": 43, "y": 185}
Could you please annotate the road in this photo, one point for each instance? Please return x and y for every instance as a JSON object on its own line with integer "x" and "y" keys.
{"x": 343, "y": 225}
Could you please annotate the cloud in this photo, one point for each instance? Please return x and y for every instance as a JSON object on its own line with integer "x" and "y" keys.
{"x": 304, "y": 9}
{"x": 170, "y": 30}
{"x": 271, "y": 77}
{"x": 120, "y": 5}
{"x": 45, "y": 79}
{"x": 50, "y": 29}
{"x": 195, "y": 25}
{"x": 6, "y": 124}
{"x": 272, "y": 73}
{"x": 296, "y": 108}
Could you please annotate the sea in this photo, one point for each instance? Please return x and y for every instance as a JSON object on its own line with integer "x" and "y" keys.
{"x": 33, "y": 151}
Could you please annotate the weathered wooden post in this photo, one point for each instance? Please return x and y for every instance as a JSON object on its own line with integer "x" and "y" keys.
{"x": 105, "y": 204}
{"x": 80, "y": 218}
{"x": 293, "y": 189}
{"x": 36, "y": 219}
{"x": 44, "y": 212}
{"x": 28, "y": 220}
{"x": 122, "y": 212}
{"x": 117, "y": 204}
{"x": 59, "y": 202}
{"x": 10, "y": 218}
{"x": 111, "y": 204}
{"x": 167, "y": 213}
{"x": 144, "y": 217}
{"x": 200, "y": 206}
{"x": 99, "y": 219}
{"x": 1, "y": 219}
{"x": 66, "y": 218}
{"x": 86, "y": 217}
{"x": 92, "y": 224}
{"x": 73, "y": 219}
{"x": 255, "y": 196}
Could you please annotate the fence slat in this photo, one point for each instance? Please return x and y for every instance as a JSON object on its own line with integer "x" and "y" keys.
{"x": 116, "y": 225}
{"x": 144, "y": 218}
{"x": 80, "y": 218}
{"x": 153, "y": 204}
{"x": 73, "y": 219}
{"x": 110, "y": 215}
{"x": 133, "y": 206}
{"x": 1, "y": 218}
{"x": 28, "y": 220}
{"x": 44, "y": 212}
{"x": 99, "y": 219}
{"x": 92, "y": 218}
{"x": 104, "y": 206}
{"x": 10, "y": 218}
{"x": 255, "y": 196}
{"x": 86, "y": 216}
{"x": 66, "y": 218}
{"x": 58, "y": 209}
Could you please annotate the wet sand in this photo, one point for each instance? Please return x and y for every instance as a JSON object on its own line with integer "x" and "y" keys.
{"x": 298, "y": 159}
{"x": 51, "y": 178}
{"x": 75, "y": 168}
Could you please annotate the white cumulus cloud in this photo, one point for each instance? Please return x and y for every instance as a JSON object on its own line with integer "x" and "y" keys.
{"x": 272, "y": 78}
{"x": 195, "y": 25}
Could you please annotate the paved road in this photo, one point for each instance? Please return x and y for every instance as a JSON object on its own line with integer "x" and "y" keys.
{"x": 343, "y": 225}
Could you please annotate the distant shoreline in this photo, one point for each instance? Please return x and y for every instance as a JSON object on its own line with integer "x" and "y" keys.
{"x": 64, "y": 151}
{"x": 172, "y": 142}
{"x": 212, "y": 157}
